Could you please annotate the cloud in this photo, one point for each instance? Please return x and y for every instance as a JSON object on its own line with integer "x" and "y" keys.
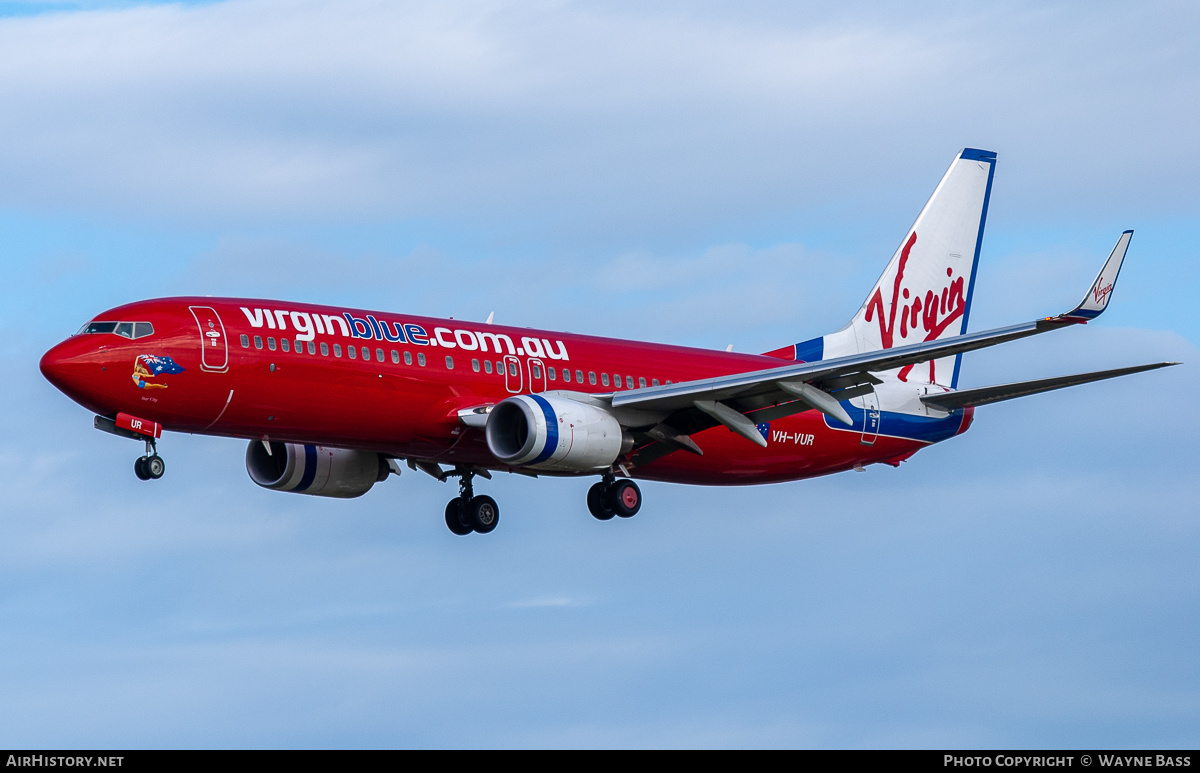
{"x": 588, "y": 118}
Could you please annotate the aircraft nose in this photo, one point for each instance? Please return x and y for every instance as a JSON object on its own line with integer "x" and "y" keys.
{"x": 69, "y": 367}
{"x": 54, "y": 364}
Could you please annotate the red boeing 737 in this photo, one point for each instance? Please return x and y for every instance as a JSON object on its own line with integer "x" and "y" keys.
{"x": 332, "y": 400}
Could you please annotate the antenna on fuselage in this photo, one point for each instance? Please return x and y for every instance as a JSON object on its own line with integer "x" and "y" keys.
{"x": 491, "y": 316}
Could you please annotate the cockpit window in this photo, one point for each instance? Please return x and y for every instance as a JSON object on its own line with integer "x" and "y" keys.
{"x": 123, "y": 329}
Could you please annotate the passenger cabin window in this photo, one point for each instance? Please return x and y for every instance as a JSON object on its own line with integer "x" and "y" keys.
{"x": 537, "y": 370}
{"x": 487, "y": 366}
{"x": 566, "y": 375}
{"x": 616, "y": 381}
{"x": 654, "y": 382}
{"x": 591, "y": 376}
{"x": 285, "y": 343}
{"x": 245, "y": 341}
{"x": 512, "y": 368}
{"x": 604, "y": 379}
{"x": 271, "y": 343}
{"x": 408, "y": 358}
{"x": 324, "y": 349}
{"x": 553, "y": 376}
{"x": 395, "y": 357}
{"x": 337, "y": 350}
{"x": 352, "y": 351}
{"x": 312, "y": 348}
{"x": 629, "y": 382}
{"x": 421, "y": 359}
{"x": 257, "y": 342}
{"x": 475, "y": 365}
{"x": 449, "y": 362}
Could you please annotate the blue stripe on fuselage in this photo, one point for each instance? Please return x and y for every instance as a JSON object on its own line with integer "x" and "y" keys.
{"x": 812, "y": 350}
{"x": 926, "y": 429}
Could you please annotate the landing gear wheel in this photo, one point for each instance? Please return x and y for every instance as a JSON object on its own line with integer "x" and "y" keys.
{"x": 139, "y": 468}
{"x": 596, "y": 502}
{"x": 625, "y": 498}
{"x": 154, "y": 467}
{"x": 485, "y": 514}
{"x": 454, "y": 520}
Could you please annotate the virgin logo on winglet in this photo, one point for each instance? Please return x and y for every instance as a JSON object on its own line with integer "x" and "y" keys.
{"x": 1100, "y": 294}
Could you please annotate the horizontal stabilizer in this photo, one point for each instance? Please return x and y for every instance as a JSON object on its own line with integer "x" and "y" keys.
{"x": 995, "y": 394}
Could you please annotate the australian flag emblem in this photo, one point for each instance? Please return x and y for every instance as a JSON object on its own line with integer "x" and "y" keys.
{"x": 148, "y": 366}
{"x": 160, "y": 364}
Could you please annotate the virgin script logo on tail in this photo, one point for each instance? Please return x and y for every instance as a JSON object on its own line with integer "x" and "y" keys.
{"x": 933, "y": 312}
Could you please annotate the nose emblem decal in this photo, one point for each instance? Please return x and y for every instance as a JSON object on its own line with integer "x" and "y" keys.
{"x": 146, "y": 366}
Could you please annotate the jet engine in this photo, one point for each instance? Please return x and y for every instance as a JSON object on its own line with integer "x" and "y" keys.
{"x": 305, "y": 469}
{"x": 554, "y": 433}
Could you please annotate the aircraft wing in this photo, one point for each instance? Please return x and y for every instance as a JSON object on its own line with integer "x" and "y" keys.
{"x": 994, "y": 394}
{"x": 776, "y": 392}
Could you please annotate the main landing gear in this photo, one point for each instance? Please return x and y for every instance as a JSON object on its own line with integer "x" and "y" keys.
{"x": 151, "y": 466}
{"x": 466, "y": 512}
{"x": 612, "y": 497}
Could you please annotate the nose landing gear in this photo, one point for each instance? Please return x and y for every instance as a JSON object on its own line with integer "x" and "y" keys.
{"x": 151, "y": 466}
{"x": 148, "y": 467}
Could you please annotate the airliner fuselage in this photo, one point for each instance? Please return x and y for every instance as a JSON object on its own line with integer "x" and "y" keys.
{"x": 349, "y": 386}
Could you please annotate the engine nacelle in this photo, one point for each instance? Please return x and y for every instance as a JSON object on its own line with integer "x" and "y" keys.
{"x": 554, "y": 433}
{"x": 305, "y": 469}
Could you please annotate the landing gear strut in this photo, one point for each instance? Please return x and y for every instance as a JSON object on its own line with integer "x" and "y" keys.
{"x": 151, "y": 466}
{"x": 612, "y": 497}
{"x": 466, "y": 512}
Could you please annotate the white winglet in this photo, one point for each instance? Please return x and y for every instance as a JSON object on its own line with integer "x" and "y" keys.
{"x": 1097, "y": 298}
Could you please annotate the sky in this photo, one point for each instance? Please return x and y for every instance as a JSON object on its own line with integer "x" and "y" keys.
{"x": 696, "y": 173}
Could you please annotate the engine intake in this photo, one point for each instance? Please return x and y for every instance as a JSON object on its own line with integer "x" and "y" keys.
{"x": 317, "y": 470}
{"x": 554, "y": 433}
